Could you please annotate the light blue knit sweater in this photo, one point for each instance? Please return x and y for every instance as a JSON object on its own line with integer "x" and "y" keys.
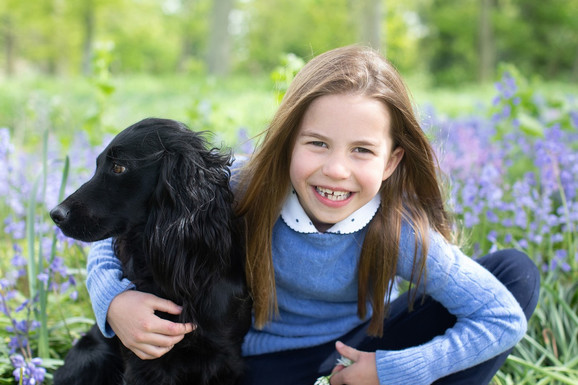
{"x": 316, "y": 279}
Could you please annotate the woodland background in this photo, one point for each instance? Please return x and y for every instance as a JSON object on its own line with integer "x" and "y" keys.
{"x": 495, "y": 86}
{"x": 453, "y": 41}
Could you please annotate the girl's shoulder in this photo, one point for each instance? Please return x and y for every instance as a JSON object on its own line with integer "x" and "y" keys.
{"x": 239, "y": 161}
{"x": 411, "y": 244}
{"x": 411, "y": 235}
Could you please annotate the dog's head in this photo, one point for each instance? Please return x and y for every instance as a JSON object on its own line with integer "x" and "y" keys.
{"x": 155, "y": 170}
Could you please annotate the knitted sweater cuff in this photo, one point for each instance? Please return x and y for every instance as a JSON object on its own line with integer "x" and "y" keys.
{"x": 403, "y": 367}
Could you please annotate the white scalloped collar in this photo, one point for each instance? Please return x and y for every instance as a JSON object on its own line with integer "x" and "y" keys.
{"x": 296, "y": 218}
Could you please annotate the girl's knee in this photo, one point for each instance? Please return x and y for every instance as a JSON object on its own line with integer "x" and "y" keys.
{"x": 518, "y": 273}
{"x": 510, "y": 263}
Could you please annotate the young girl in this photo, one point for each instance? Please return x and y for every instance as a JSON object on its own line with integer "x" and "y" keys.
{"x": 341, "y": 197}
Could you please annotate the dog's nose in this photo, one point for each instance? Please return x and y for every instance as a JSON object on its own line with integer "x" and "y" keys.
{"x": 59, "y": 214}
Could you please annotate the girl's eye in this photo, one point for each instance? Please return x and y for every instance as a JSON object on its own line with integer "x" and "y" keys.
{"x": 118, "y": 169}
{"x": 363, "y": 150}
{"x": 317, "y": 143}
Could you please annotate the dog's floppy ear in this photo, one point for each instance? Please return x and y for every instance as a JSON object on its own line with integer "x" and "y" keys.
{"x": 189, "y": 228}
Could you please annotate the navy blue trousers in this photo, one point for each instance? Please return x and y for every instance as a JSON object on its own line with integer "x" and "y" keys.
{"x": 403, "y": 329}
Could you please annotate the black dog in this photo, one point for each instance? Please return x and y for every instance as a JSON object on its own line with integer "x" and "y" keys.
{"x": 164, "y": 196}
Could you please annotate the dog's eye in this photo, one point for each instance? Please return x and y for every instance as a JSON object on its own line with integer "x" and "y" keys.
{"x": 118, "y": 169}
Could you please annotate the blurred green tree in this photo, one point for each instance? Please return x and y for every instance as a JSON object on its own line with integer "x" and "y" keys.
{"x": 455, "y": 41}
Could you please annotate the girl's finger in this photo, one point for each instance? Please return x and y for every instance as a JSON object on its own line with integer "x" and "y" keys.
{"x": 347, "y": 351}
{"x": 149, "y": 352}
{"x": 165, "y": 305}
{"x": 169, "y": 328}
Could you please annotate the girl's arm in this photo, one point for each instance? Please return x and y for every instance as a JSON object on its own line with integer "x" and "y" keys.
{"x": 129, "y": 313}
{"x": 104, "y": 280}
{"x": 489, "y": 319}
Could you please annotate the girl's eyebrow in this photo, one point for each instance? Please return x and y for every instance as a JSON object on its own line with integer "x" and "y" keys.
{"x": 365, "y": 143}
{"x": 357, "y": 143}
{"x": 312, "y": 134}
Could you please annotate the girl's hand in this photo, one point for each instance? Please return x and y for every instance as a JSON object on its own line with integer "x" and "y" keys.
{"x": 131, "y": 315}
{"x": 363, "y": 371}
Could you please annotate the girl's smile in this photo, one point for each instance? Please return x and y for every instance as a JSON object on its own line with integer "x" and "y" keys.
{"x": 336, "y": 198}
{"x": 342, "y": 154}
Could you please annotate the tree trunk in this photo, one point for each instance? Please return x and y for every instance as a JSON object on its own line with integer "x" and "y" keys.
{"x": 372, "y": 12}
{"x": 486, "y": 42}
{"x": 575, "y": 69}
{"x": 186, "y": 38}
{"x": 219, "y": 49}
{"x": 9, "y": 46}
{"x": 53, "y": 39}
{"x": 88, "y": 41}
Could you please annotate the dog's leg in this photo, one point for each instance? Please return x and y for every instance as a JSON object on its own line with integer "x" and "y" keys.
{"x": 94, "y": 360}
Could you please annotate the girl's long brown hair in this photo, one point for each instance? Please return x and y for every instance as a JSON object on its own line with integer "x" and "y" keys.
{"x": 411, "y": 193}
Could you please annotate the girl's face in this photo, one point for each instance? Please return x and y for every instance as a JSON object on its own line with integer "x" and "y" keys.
{"x": 342, "y": 154}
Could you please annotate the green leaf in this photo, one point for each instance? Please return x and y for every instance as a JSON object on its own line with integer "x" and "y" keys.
{"x": 531, "y": 126}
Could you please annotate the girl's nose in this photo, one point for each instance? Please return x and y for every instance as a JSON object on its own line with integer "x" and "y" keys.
{"x": 336, "y": 167}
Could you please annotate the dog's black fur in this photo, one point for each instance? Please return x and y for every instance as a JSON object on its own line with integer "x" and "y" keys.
{"x": 164, "y": 196}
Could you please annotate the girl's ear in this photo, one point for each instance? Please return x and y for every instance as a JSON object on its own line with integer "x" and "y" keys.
{"x": 392, "y": 162}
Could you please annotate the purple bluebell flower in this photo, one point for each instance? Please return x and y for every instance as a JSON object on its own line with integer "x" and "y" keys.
{"x": 28, "y": 373}
{"x": 499, "y": 87}
{"x": 18, "y": 260}
{"x": 58, "y": 267}
{"x": 560, "y": 254}
{"x": 470, "y": 220}
{"x": 43, "y": 277}
{"x": 510, "y": 86}
{"x": 536, "y": 238}
{"x": 560, "y": 261}
{"x": 492, "y": 217}
{"x": 556, "y": 237}
{"x": 520, "y": 219}
{"x": 18, "y": 361}
{"x": 15, "y": 228}
{"x": 492, "y": 236}
{"x": 523, "y": 243}
{"x": 574, "y": 118}
{"x": 506, "y": 87}
{"x": 17, "y": 343}
{"x": 506, "y": 111}
{"x": 22, "y": 306}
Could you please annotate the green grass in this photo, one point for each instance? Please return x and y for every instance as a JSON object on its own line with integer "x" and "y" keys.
{"x": 64, "y": 106}
{"x": 223, "y": 105}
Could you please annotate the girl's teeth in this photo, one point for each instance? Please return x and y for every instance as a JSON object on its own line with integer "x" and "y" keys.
{"x": 333, "y": 195}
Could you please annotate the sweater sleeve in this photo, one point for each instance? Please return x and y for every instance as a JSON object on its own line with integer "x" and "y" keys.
{"x": 489, "y": 319}
{"x": 104, "y": 281}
